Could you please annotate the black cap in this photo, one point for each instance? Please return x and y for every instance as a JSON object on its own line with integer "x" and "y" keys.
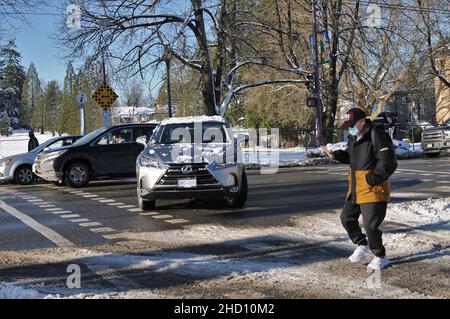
{"x": 353, "y": 116}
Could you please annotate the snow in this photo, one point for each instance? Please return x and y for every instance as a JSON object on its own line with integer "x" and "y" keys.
{"x": 125, "y": 111}
{"x": 302, "y": 252}
{"x": 402, "y": 149}
{"x": 193, "y": 119}
{"x": 10, "y": 291}
{"x": 430, "y": 211}
{"x": 17, "y": 143}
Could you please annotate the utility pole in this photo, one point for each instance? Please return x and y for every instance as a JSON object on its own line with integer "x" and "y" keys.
{"x": 167, "y": 57}
{"x": 319, "y": 138}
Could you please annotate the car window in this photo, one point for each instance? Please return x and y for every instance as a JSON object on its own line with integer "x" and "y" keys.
{"x": 185, "y": 133}
{"x": 142, "y": 131}
{"x": 57, "y": 144}
{"x": 117, "y": 136}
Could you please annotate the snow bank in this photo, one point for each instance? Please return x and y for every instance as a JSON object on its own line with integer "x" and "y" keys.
{"x": 430, "y": 211}
{"x": 402, "y": 149}
{"x": 10, "y": 291}
{"x": 18, "y": 142}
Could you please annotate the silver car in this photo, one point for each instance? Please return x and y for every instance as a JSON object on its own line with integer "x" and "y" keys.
{"x": 191, "y": 158}
{"x": 18, "y": 168}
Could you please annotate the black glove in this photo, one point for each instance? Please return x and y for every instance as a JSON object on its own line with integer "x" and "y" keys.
{"x": 373, "y": 179}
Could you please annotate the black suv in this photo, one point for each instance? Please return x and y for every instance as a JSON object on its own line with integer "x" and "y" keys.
{"x": 105, "y": 152}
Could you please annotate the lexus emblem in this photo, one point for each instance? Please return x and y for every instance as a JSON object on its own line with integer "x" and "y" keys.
{"x": 187, "y": 169}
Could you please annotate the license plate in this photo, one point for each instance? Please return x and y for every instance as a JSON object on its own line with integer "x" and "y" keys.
{"x": 429, "y": 145}
{"x": 187, "y": 183}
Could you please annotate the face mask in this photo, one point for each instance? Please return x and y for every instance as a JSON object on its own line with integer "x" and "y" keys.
{"x": 353, "y": 131}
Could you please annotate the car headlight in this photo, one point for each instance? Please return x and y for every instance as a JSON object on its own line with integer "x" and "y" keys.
{"x": 149, "y": 162}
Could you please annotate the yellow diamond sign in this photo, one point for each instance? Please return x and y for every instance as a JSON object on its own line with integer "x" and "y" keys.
{"x": 105, "y": 96}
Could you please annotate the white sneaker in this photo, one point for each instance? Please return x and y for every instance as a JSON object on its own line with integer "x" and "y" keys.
{"x": 361, "y": 252}
{"x": 378, "y": 263}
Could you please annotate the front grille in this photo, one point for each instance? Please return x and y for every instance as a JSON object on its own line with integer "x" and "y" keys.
{"x": 199, "y": 171}
{"x": 432, "y": 136}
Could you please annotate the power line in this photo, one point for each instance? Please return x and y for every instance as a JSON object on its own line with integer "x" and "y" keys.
{"x": 30, "y": 13}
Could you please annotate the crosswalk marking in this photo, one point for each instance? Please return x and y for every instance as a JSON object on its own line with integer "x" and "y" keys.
{"x": 80, "y": 220}
{"x": 102, "y": 230}
{"x": 90, "y": 224}
{"x": 62, "y": 212}
{"x": 116, "y": 204}
{"x": 127, "y": 206}
{"x": 149, "y": 214}
{"x": 133, "y": 210}
{"x": 70, "y": 216}
{"x": 177, "y": 221}
{"x": 162, "y": 216}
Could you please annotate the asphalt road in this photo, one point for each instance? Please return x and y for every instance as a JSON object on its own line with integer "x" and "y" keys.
{"x": 102, "y": 216}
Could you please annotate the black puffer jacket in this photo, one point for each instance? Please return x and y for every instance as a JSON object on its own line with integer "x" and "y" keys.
{"x": 372, "y": 161}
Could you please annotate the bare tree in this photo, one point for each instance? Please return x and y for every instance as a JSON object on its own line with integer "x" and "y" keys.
{"x": 207, "y": 36}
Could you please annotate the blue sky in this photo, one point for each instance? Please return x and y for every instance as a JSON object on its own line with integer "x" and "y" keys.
{"x": 35, "y": 44}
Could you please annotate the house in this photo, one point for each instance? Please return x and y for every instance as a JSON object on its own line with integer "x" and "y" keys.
{"x": 129, "y": 114}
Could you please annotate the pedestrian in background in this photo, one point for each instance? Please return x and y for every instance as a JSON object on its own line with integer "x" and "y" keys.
{"x": 33, "y": 142}
{"x": 370, "y": 153}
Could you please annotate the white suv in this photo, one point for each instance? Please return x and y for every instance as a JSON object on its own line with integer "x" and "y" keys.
{"x": 191, "y": 158}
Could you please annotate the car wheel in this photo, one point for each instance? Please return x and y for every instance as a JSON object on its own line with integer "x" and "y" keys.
{"x": 77, "y": 175}
{"x": 146, "y": 204}
{"x": 241, "y": 199}
{"x": 431, "y": 154}
{"x": 24, "y": 175}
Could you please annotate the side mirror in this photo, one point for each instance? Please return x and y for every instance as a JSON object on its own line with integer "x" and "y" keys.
{"x": 142, "y": 140}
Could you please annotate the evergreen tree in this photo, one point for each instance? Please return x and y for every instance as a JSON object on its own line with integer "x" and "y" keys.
{"x": 4, "y": 124}
{"x": 70, "y": 119}
{"x": 12, "y": 77}
{"x": 52, "y": 107}
{"x": 30, "y": 94}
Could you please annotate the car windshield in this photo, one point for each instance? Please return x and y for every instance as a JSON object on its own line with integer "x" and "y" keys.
{"x": 44, "y": 145}
{"x": 88, "y": 137}
{"x": 211, "y": 132}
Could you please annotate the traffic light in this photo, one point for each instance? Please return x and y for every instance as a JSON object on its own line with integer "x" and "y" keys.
{"x": 311, "y": 102}
{"x": 310, "y": 84}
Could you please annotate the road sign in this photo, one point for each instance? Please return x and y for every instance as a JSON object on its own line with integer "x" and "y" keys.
{"x": 324, "y": 47}
{"x": 81, "y": 98}
{"x": 105, "y": 96}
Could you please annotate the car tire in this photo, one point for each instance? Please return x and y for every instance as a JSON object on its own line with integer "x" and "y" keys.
{"x": 77, "y": 175}
{"x": 239, "y": 201}
{"x": 431, "y": 154}
{"x": 24, "y": 175}
{"x": 146, "y": 204}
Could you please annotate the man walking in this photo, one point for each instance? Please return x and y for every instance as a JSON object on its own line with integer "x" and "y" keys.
{"x": 33, "y": 142}
{"x": 370, "y": 153}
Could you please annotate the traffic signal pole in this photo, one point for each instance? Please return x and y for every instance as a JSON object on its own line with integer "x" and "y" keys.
{"x": 319, "y": 131}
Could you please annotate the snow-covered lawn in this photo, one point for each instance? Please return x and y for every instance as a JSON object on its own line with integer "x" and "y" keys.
{"x": 18, "y": 142}
{"x": 402, "y": 149}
